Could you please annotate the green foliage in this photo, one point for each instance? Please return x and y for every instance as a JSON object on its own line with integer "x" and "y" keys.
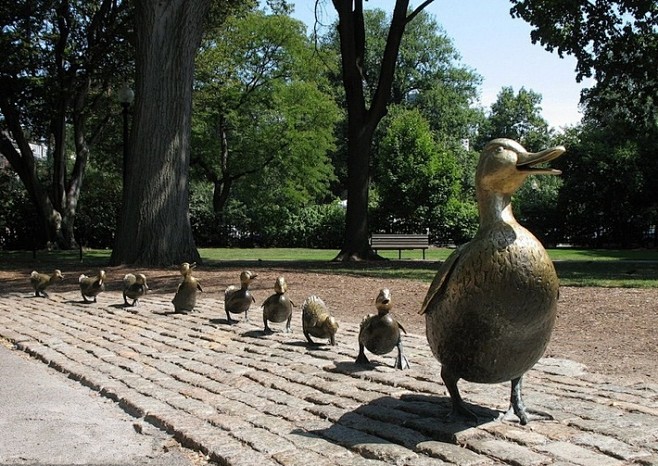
{"x": 262, "y": 122}
{"x": 418, "y": 183}
{"x": 516, "y": 116}
{"x": 263, "y": 224}
{"x": 98, "y": 209}
{"x": 18, "y": 226}
{"x": 607, "y": 198}
{"x": 614, "y": 41}
{"x": 536, "y": 208}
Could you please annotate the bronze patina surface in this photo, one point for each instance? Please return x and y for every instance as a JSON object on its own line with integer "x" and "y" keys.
{"x": 41, "y": 281}
{"x": 91, "y": 287}
{"x": 134, "y": 287}
{"x": 185, "y": 297}
{"x": 278, "y": 307}
{"x": 238, "y": 299}
{"x": 491, "y": 308}
{"x": 381, "y": 333}
{"x": 316, "y": 320}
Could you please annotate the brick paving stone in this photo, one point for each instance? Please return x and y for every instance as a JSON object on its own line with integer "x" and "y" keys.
{"x": 453, "y": 453}
{"x": 515, "y": 434}
{"x": 508, "y": 452}
{"x": 578, "y": 455}
{"x": 610, "y": 446}
{"x": 242, "y": 397}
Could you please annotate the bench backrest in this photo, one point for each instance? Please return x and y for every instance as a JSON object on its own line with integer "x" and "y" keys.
{"x": 399, "y": 240}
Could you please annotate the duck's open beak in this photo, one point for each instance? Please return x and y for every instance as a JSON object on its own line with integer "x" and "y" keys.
{"x": 526, "y": 161}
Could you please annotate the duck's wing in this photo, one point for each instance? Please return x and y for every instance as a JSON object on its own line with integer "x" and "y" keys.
{"x": 442, "y": 277}
{"x": 401, "y": 327}
{"x": 230, "y": 291}
{"x": 309, "y": 319}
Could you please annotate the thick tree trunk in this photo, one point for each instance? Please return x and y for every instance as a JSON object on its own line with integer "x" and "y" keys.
{"x": 355, "y": 243}
{"x": 363, "y": 121}
{"x": 154, "y": 226}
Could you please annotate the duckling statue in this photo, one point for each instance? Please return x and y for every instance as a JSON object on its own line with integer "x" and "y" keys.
{"x": 185, "y": 297}
{"x": 317, "y": 322}
{"x": 278, "y": 308}
{"x": 380, "y": 333}
{"x": 134, "y": 287}
{"x": 41, "y": 281}
{"x": 91, "y": 287}
{"x": 491, "y": 307}
{"x": 238, "y": 299}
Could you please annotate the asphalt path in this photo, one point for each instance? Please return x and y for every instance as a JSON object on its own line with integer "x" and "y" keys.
{"x": 48, "y": 419}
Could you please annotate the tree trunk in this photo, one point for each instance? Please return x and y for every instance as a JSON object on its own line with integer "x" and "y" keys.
{"x": 362, "y": 121}
{"x": 154, "y": 226}
{"x": 22, "y": 161}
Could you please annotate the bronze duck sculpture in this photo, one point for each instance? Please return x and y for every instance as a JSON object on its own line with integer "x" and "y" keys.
{"x": 185, "y": 297}
{"x": 278, "y": 307}
{"x": 491, "y": 307}
{"x": 134, "y": 287}
{"x": 238, "y": 299}
{"x": 380, "y": 333}
{"x": 91, "y": 287}
{"x": 317, "y": 322}
{"x": 41, "y": 281}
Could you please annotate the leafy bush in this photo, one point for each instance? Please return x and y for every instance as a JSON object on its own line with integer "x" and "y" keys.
{"x": 18, "y": 226}
{"x": 98, "y": 209}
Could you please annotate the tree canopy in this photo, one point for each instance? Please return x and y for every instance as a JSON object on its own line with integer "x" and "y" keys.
{"x": 614, "y": 41}
{"x": 60, "y": 61}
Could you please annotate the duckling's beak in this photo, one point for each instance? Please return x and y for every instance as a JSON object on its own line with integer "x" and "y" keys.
{"x": 526, "y": 161}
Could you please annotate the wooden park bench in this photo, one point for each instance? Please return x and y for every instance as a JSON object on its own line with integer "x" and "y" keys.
{"x": 400, "y": 241}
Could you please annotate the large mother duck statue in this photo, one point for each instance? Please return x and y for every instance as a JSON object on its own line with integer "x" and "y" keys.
{"x": 491, "y": 307}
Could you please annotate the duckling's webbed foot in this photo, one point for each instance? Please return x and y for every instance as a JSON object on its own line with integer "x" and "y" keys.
{"x": 459, "y": 408}
{"x": 308, "y": 337}
{"x": 518, "y": 407}
{"x": 229, "y": 320}
{"x": 267, "y": 330}
{"x": 401, "y": 361}
{"x": 361, "y": 358}
{"x": 288, "y": 328}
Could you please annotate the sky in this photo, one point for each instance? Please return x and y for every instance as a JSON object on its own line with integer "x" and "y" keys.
{"x": 497, "y": 47}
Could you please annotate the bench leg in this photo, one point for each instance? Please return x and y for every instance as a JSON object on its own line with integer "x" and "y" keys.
{"x": 399, "y": 254}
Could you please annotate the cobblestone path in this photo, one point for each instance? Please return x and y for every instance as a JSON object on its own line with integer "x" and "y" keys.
{"x": 245, "y": 398}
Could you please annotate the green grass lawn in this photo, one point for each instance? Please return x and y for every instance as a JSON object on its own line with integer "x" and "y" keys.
{"x": 575, "y": 267}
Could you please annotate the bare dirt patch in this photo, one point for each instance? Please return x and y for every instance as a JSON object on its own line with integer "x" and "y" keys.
{"x": 610, "y": 330}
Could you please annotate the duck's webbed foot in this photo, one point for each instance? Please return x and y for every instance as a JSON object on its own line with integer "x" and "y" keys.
{"x": 267, "y": 330}
{"x": 229, "y": 320}
{"x": 401, "y": 361}
{"x": 308, "y": 337}
{"x": 459, "y": 409}
{"x": 362, "y": 358}
{"x": 518, "y": 407}
{"x": 288, "y": 328}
